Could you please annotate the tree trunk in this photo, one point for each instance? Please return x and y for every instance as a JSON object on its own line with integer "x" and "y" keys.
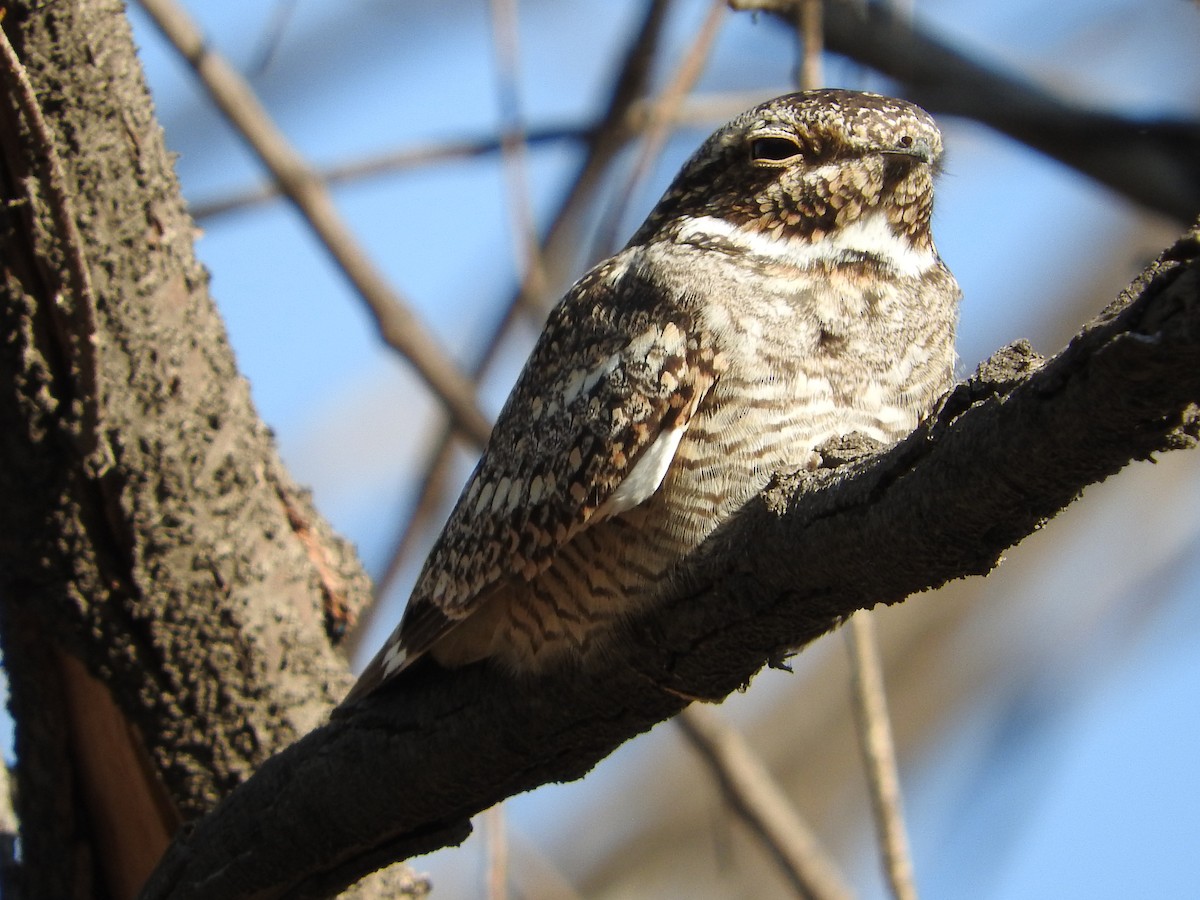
{"x": 169, "y": 600}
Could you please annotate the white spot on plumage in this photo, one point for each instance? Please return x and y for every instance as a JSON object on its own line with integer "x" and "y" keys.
{"x": 619, "y": 265}
{"x": 441, "y": 585}
{"x": 394, "y": 658}
{"x": 892, "y": 416}
{"x": 485, "y": 499}
{"x": 646, "y": 475}
{"x": 515, "y": 497}
{"x": 656, "y": 342}
{"x": 871, "y": 396}
{"x": 535, "y": 489}
{"x": 583, "y": 380}
{"x": 501, "y": 494}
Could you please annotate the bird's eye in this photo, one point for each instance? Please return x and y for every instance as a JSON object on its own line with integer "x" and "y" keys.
{"x": 905, "y": 141}
{"x": 774, "y": 150}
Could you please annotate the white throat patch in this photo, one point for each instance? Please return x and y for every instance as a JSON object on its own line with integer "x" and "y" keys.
{"x": 870, "y": 236}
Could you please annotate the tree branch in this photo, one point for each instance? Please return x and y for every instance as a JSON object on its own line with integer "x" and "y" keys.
{"x": 662, "y": 111}
{"x": 759, "y": 801}
{"x": 874, "y": 727}
{"x": 401, "y": 774}
{"x": 397, "y": 324}
{"x": 700, "y": 110}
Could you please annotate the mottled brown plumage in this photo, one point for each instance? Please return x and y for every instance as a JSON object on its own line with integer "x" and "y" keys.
{"x": 785, "y": 290}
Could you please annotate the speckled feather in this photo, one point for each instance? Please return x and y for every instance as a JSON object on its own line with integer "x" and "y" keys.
{"x": 609, "y": 374}
{"x": 784, "y": 290}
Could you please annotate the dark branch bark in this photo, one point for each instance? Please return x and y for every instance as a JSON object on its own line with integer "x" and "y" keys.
{"x": 1152, "y": 162}
{"x": 402, "y": 774}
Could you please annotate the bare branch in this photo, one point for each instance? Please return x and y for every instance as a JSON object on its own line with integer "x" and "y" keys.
{"x": 874, "y": 728}
{"x": 761, "y": 803}
{"x": 1007, "y": 449}
{"x": 658, "y": 126}
{"x": 505, "y": 41}
{"x": 397, "y": 324}
{"x": 1150, "y": 161}
{"x": 697, "y": 110}
{"x": 497, "y": 853}
{"x": 272, "y": 36}
{"x": 406, "y": 158}
{"x": 812, "y": 36}
{"x": 513, "y": 149}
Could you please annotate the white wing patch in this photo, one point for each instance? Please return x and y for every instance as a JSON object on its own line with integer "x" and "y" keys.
{"x": 645, "y": 476}
{"x": 395, "y": 658}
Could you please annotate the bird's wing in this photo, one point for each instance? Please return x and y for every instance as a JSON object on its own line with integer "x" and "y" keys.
{"x": 588, "y": 431}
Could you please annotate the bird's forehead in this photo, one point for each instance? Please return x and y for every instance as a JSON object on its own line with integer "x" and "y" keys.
{"x": 851, "y": 116}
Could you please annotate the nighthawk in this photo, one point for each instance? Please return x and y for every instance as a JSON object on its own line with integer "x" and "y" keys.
{"x": 785, "y": 290}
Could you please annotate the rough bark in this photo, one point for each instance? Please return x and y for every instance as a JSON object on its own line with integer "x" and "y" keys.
{"x": 402, "y": 773}
{"x": 169, "y": 600}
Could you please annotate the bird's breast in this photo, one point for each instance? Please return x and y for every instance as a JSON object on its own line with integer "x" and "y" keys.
{"x": 808, "y": 355}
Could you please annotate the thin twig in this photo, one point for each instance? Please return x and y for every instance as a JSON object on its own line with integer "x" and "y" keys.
{"x": 505, "y": 40}
{"x": 387, "y": 163}
{"x": 659, "y": 126}
{"x": 760, "y": 802}
{"x": 76, "y": 316}
{"x": 535, "y": 876}
{"x": 605, "y": 141}
{"x": 514, "y": 158}
{"x": 695, "y": 110}
{"x": 564, "y": 239}
{"x": 497, "y": 853}
{"x": 397, "y": 324}
{"x": 879, "y": 753}
{"x": 812, "y": 32}
{"x": 272, "y": 37}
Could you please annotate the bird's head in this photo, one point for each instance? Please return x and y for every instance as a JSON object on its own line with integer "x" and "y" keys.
{"x": 804, "y": 165}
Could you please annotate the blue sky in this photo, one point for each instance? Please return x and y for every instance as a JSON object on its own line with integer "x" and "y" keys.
{"x": 1074, "y": 775}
